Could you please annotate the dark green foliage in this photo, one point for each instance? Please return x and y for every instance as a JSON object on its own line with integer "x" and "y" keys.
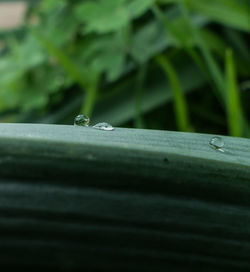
{"x": 89, "y": 57}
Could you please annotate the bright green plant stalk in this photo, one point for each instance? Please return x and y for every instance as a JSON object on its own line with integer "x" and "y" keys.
{"x": 181, "y": 111}
{"x": 234, "y": 108}
{"x": 90, "y": 98}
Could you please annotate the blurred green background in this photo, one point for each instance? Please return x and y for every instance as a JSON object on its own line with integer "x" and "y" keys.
{"x": 167, "y": 64}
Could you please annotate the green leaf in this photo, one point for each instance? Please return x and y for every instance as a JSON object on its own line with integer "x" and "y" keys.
{"x": 21, "y": 59}
{"x": 105, "y": 54}
{"x": 88, "y": 84}
{"x": 60, "y": 25}
{"x": 136, "y": 8}
{"x": 50, "y": 5}
{"x": 62, "y": 58}
{"x": 104, "y": 16}
{"x": 181, "y": 33}
{"x": 212, "y": 65}
{"x": 152, "y": 38}
{"x": 61, "y": 147}
{"x": 127, "y": 187}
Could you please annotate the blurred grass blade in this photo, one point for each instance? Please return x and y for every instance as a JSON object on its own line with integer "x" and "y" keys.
{"x": 139, "y": 123}
{"x": 213, "y": 67}
{"x": 234, "y": 109}
{"x": 90, "y": 98}
{"x": 181, "y": 112}
{"x": 68, "y": 65}
{"x": 228, "y": 12}
{"x": 231, "y": 13}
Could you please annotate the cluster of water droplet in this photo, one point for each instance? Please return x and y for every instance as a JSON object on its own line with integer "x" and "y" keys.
{"x": 83, "y": 120}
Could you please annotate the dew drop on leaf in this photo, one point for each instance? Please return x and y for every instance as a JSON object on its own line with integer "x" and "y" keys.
{"x": 81, "y": 120}
{"x": 217, "y": 143}
{"x": 103, "y": 126}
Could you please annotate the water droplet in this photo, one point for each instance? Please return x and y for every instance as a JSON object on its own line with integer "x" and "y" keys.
{"x": 103, "y": 126}
{"x": 81, "y": 120}
{"x": 217, "y": 143}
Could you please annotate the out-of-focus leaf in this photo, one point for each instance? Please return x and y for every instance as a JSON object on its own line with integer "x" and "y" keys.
{"x": 105, "y": 54}
{"x": 29, "y": 54}
{"x": 23, "y": 57}
{"x": 60, "y": 25}
{"x": 153, "y": 38}
{"x": 104, "y": 16}
{"x": 212, "y": 65}
{"x": 50, "y": 5}
{"x": 137, "y": 8}
{"x": 25, "y": 93}
{"x": 62, "y": 58}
